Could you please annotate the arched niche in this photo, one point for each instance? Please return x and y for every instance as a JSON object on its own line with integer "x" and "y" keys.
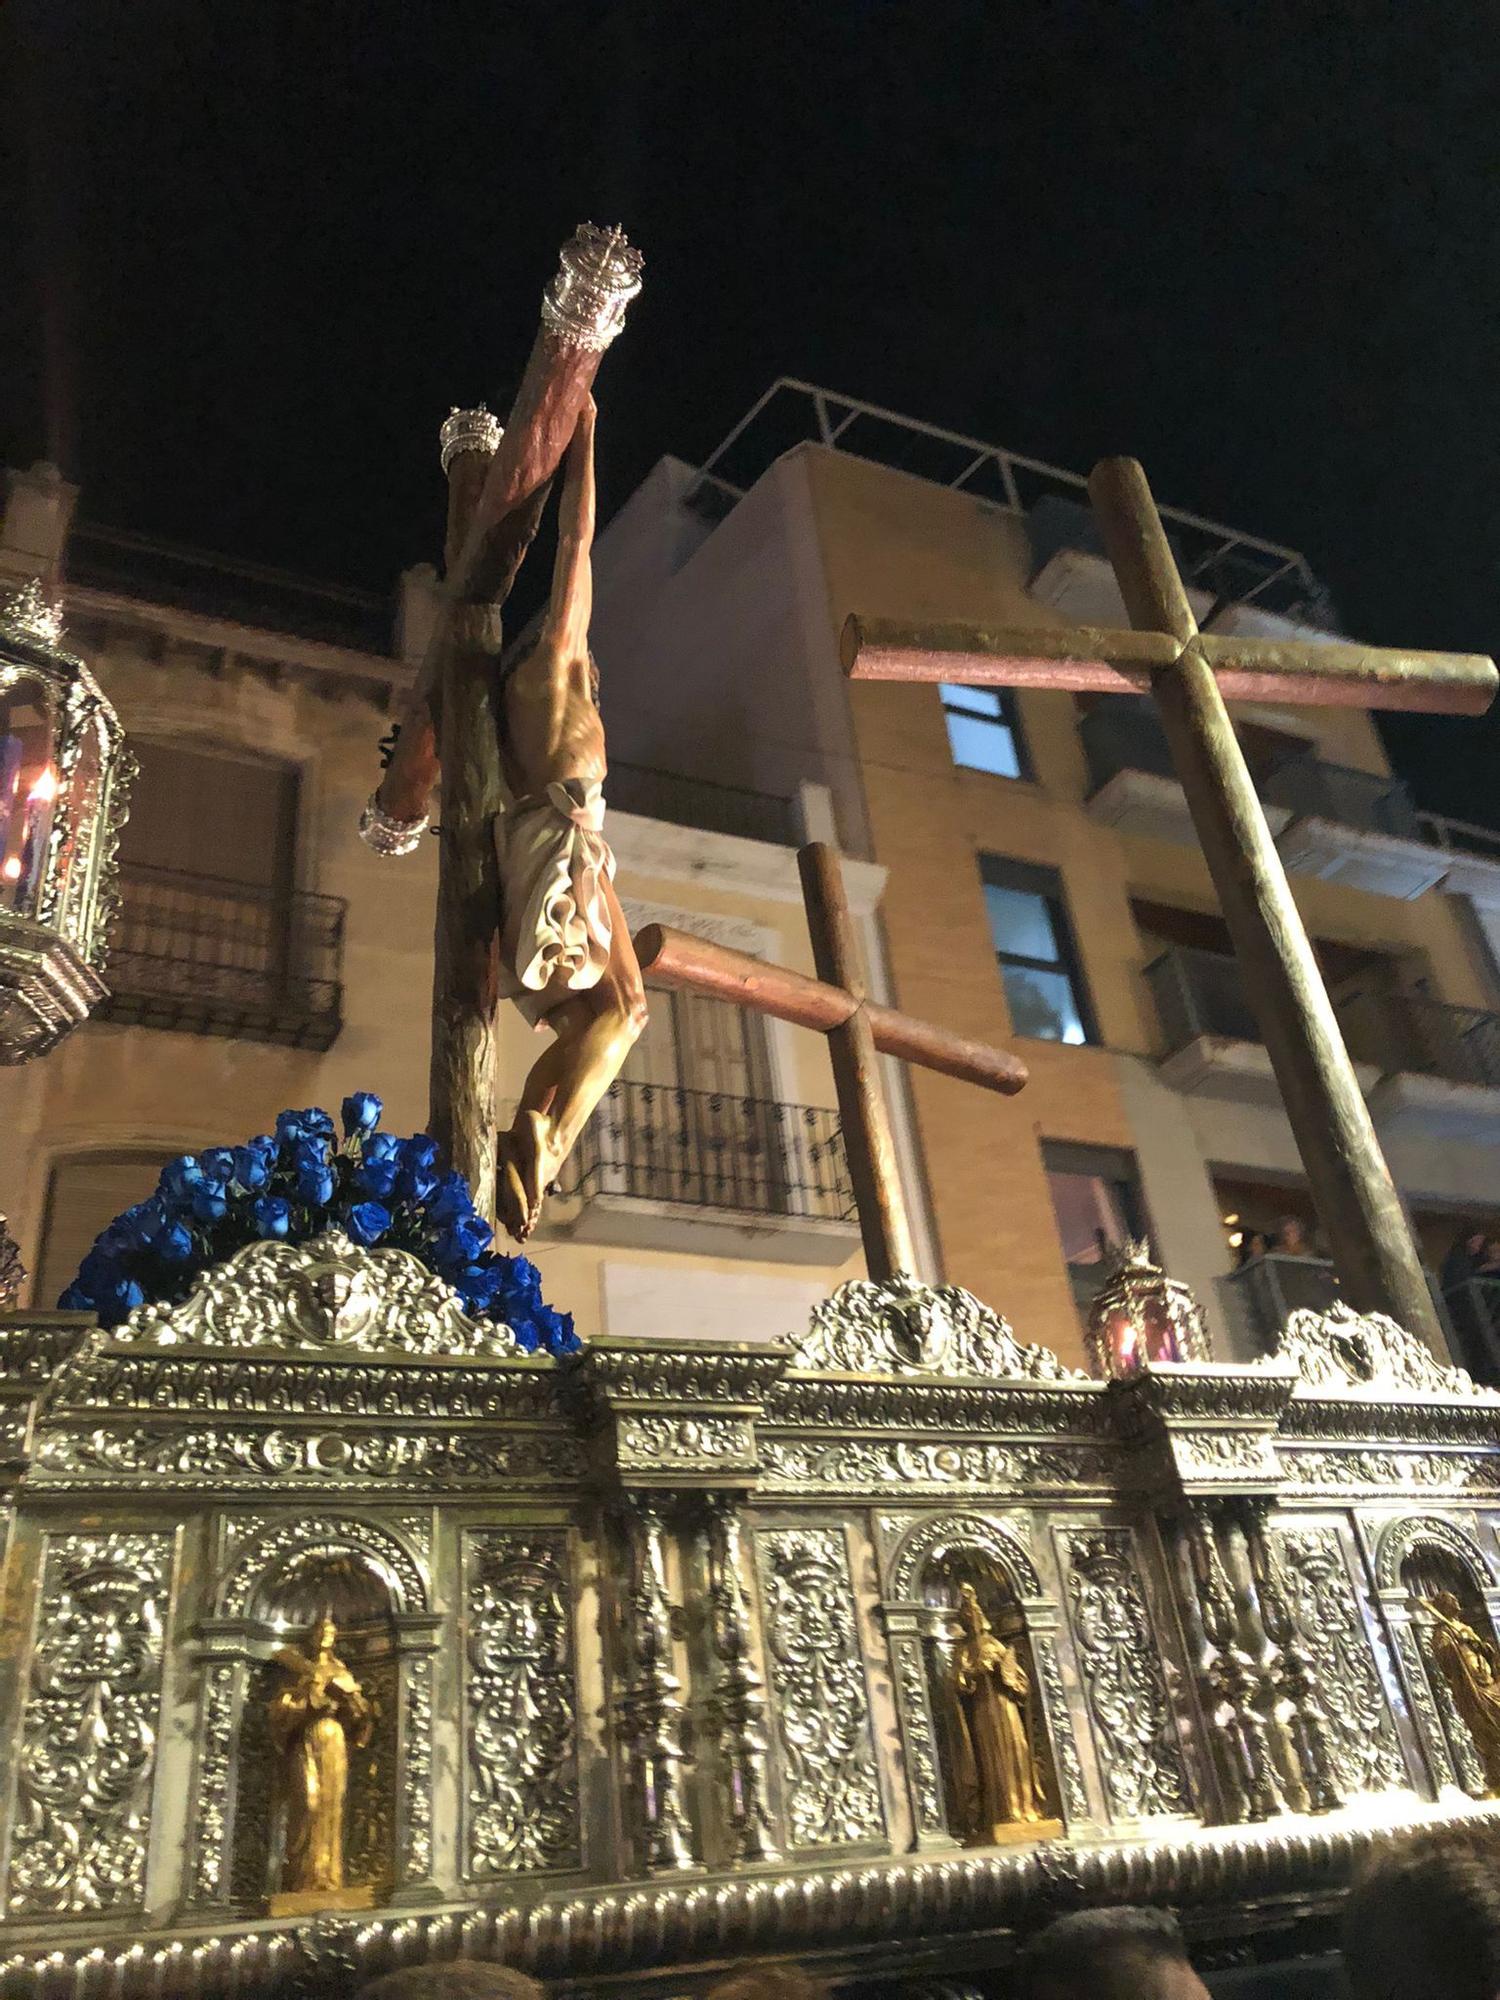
{"x": 283, "y": 1576}
{"x": 1416, "y": 1561}
{"x": 346, "y": 1586}
{"x": 925, "y": 1577}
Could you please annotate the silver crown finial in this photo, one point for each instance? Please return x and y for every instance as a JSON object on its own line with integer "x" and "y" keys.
{"x": 30, "y": 614}
{"x": 598, "y": 277}
{"x": 468, "y": 430}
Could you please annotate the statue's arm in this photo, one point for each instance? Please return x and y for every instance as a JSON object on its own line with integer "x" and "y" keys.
{"x": 572, "y": 573}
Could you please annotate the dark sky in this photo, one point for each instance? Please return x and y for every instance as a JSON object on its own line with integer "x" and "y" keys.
{"x": 265, "y": 245}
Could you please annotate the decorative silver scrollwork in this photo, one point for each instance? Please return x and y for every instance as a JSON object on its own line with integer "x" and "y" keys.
{"x": 328, "y": 1294}
{"x": 521, "y": 1698}
{"x": 736, "y": 1710}
{"x": 83, "y": 1805}
{"x": 1075, "y": 1796}
{"x": 1120, "y": 1662}
{"x": 1342, "y": 1349}
{"x": 895, "y": 1326}
{"x": 650, "y": 1709}
{"x": 1363, "y": 1747}
{"x": 822, "y": 1703}
{"x": 416, "y": 1768}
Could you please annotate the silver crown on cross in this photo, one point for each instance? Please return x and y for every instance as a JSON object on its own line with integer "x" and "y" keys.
{"x": 599, "y": 275}
{"x": 478, "y": 429}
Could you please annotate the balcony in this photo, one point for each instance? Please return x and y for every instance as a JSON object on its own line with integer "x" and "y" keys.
{"x": 695, "y": 1171}
{"x": 1471, "y": 858}
{"x": 1426, "y": 1066}
{"x": 209, "y": 957}
{"x": 1329, "y": 820}
{"x": 1474, "y": 1315}
{"x": 1439, "y": 1064}
{"x": 1261, "y": 1295}
{"x": 713, "y": 808}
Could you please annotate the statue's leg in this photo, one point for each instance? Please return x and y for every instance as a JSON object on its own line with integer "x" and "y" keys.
{"x": 594, "y": 1031}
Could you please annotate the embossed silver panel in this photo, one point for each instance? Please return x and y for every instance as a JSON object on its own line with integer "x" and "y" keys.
{"x": 83, "y": 1796}
{"x": 521, "y": 1780}
{"x": 822, "y": 1704}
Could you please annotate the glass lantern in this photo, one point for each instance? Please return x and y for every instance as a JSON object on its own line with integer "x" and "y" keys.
{"x": 64, "y": 792}
{"x": 1140, "y": 1317}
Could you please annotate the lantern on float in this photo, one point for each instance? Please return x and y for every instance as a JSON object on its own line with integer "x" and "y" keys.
{"x": 64, "y": 793}
{"x": 1140, "y": 1315}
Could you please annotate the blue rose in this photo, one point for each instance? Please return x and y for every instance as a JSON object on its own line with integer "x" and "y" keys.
{"x": 116, "y": 1301}
{"x": 451, "y": 1200}
{"x": 461, "y": 1242}
{"x": 289, "y": 1128}
{"x": 377, "y": 1177}
{"x": 559, "y": 1334}
{"x": 209, "y": 1204}
{"x": 528, "y": 1339}
{"x": 75, "y": 1300}
{"x": 217, "y": 1164}
{"x": 317, "y": 1124}
{"x": 420, "y": 1151}
{"x": 416, "y": 1184}
{"x": 251, "y": 1168}
{"x": 179, "y": 1178}
{"x": 174, "y": 1244}
{"x": 360, "y": 1112}
{"x": 272, "y": 1215}
{"x": 315, "y": 1184}
{"x": 367, "y": 1221}
{"x": 478, "y": 1285}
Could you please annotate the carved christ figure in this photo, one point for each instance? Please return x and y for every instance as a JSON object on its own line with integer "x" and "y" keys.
{"x": 314, "y": 1718}
{"x": 566, "y": 955}
{"x": 996, "y": 1779}
{"x": 1470, "y": 1664}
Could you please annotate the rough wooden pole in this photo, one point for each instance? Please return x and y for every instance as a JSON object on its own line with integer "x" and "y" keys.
{"x": 466, "y": 936}
{"x": 1351, "y": 1185}
{"x": 856, "y": 1073}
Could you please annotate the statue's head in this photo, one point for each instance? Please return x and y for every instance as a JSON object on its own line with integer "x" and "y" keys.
{"x": 1445, "y": 1602}
{"x": 325, "y": 1634}
{"x": 970, "y": 1611}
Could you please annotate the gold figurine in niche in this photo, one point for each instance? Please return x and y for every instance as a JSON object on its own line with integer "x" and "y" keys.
{"x": 314, "y": 1718}
{"x": 1470, "y": 1664}
{"x": 997, "y": 1775}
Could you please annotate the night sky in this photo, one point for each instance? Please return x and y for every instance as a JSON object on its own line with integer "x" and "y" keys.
{"x": 262, "y": 247}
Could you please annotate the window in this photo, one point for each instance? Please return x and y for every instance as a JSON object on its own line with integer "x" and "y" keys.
{"x": 1034, "y": 944}
{"x": 984, "y": 731}
{"x": 1096, "y": 1199}
{"x": 84, "y": 1195}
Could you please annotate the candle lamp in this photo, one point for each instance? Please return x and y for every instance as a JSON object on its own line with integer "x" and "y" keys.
{"x": 1140, "y": 1315}
{"x": 64, "y": 790}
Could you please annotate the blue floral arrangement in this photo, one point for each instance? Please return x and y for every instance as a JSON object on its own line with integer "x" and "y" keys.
{"x": 378, "y": 1189}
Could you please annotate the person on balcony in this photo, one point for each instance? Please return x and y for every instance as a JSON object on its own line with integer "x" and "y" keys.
{"x": 1465, "y": 1259}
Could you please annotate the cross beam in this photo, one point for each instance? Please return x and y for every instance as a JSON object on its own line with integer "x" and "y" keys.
{"x": 835, "y": 1005}
{"x": 1188, "y": 674}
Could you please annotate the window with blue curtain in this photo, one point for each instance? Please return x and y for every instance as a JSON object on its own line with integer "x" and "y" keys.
{"x": 1034, "y": 946}
{"x": 984, "y": 731}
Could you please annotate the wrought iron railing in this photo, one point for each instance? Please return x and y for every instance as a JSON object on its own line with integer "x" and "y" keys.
{"x": 1261, "y": 1294}
{"x": 212, "y": 957}
{"x": 1201, "y": 993}
{"x": 702, "y": 1149}
{"x": 1460, "y": 836}
{"x": 635, "y": 788}
{"x": 1410, "y": 1033}
{"x": 1313, "y": 789}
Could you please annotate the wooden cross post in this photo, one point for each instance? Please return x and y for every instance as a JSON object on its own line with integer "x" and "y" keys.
{"x": 836, "y": 1005}
{"x": 1188, "y": 674}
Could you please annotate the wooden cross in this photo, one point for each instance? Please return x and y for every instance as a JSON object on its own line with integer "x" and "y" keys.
{"x": 1188, "y": 674}
{"x": 836, "y": 1004}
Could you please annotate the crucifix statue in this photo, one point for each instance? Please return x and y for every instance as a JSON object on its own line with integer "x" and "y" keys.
{"x": 836, "y": 1004}
{"x": 526, "y": 908}
{"x": 1188, "y": 674}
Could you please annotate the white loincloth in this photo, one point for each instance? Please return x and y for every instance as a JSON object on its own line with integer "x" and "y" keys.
{"x": 554, "y": 861}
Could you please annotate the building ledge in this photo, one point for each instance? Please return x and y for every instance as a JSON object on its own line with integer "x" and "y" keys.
{"x": 1433, "y": 1107}
{"x": 1217, "y": 1066}
{"x": 1083, "y": 587}
{"x": 1380, "y": 863}
{"x": 640, "y": 1222}
{"x": 1470, "y": 875}
{"x": 1144, "y": 802}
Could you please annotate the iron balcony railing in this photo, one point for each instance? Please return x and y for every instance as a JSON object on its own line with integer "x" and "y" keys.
{"x": 1200, "y": 993}
{"x": 715, "y": 808}
{"x": 702, "y": 1149}
{"x": 1124, "y": 735}
{"x": 1311, "y": 789}
{"x": 211, "y": 957}
{"x": 1263, "y": 1292}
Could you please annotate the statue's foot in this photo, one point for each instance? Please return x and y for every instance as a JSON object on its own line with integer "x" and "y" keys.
{"x": 522, "y": 1174}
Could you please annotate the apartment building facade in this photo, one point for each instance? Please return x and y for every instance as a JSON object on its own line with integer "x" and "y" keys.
{"x": 1043, "y": 884}
{"x": 264, "y": 957}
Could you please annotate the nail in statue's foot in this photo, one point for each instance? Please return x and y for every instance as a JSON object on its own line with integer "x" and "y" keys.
{"x": 523, "y": 1174}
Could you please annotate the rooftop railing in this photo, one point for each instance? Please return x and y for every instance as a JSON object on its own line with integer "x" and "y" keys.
{"x": 210, "y": 957}
{"x": 703, "y": 1149}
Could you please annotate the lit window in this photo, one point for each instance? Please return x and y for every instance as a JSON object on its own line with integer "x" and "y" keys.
{"x": 1096, "y": 1199}
{"x": 984, "y": 731}
{"x": 1034, "y": 946}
